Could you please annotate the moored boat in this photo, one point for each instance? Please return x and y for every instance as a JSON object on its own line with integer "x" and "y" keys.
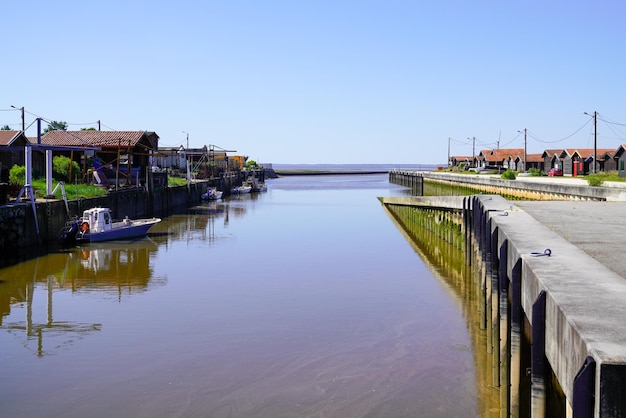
{"x": 255, "y": 184}
{"x": 97, "y": 224}
{"x": 241, "y": 189}
{"x": 212, "y": 194}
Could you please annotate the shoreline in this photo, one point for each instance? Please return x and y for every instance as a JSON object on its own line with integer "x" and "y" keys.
{"x": 326, "y": 172}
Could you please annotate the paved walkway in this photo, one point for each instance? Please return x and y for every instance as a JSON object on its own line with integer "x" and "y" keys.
{"x": 597, "y": 228}
{"x": 575, "y": 181}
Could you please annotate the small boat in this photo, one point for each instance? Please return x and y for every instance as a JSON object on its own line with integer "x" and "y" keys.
{"x": 241, "y": 189}
{"x": 97, "y": 225}
{"x": 212, "y": 194}
{"x": 256, "y": 185}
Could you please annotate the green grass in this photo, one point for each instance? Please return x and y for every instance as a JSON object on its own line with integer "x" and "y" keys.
{"x": 610, "y": 176}
{"x": 82, "y": 191}
{"x": 72, "y": 191}
{"x": 176, "y": 181}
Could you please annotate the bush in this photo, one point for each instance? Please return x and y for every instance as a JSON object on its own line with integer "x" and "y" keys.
{"x": 595, "y": 180}
{"x": 508, "y": 175}
{"x": 17, "y": 175}
{"x": 536, "y": 172}
{"x": 61, "y": 168}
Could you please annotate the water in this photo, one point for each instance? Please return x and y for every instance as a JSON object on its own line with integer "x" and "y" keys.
{"x": 305, "y": 301}
{"x": 355, "y": 167}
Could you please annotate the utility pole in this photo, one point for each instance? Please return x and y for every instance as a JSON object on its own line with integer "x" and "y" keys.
{"x": 473, "y": 151}
{"x": 22, "y": 109}
{"x": 595, "y": 141}
{"x": 525, "y": 169}
{"x": 448, "y": 151}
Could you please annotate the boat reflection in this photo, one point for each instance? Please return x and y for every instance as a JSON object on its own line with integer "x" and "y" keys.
{"x": 118, "y": 266}
{"x": 113, "y": 268}
{"x": 108, "y": 270}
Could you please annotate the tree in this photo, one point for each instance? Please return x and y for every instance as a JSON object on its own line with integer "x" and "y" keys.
{"x": 5, "y": 128}
{"x": 56, "y": 126}
{"x": 88, "y": 129}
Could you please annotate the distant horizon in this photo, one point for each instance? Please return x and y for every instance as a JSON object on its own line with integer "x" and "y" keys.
{"x": 354, "y": 165}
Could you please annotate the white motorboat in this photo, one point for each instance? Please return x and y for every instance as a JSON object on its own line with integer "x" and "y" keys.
{"x": 97, "y": 225}
{"x": 241, "y": 189}
{"x": 212, "y": 194}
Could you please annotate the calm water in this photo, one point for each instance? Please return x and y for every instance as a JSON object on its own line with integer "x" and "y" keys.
{"x": 305, "y": 301}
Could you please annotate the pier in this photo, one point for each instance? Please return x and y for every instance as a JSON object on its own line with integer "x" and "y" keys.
{"x": 553, "y": 297}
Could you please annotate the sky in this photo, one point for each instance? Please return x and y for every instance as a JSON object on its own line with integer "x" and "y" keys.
{"x": 323, "y": 81}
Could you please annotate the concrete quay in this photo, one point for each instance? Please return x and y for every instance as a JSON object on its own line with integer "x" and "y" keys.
{"x": 575, "y": 305}
{"x": 593, "y": 227}
{"x": 523, "y": 187}
{"x": 570, "y": 303}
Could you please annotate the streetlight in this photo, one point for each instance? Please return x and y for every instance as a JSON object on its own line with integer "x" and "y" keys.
{"x": 22, "y": 109}
{"x": 595, "y": 138}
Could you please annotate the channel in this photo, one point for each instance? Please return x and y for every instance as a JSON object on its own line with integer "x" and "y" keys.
{"x": 307, "y": 300}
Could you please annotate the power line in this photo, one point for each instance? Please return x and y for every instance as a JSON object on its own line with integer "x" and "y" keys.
{"x": 512, "y": 140}
{"x": 610, "y": 122}
{"x": 82, "y": 124}
{"x": 562, "y": 139}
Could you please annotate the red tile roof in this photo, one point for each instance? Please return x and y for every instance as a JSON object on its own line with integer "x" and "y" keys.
{"x": 502, "y": 154}
{"x": 7, "y": 137}
{"x": 534, "y": 158}
{"x": 588, "y": 152}
{"x": 552, "y": 152}
{"x": 92, "y": 138}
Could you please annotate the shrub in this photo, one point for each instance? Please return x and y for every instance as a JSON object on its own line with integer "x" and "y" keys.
{"x": 17, "y": 175}
{"x": 61, "y": 168}
{"x": 508, "y": 175}
{"x": 536, "y": 172}
{"x": 595, "y": 180}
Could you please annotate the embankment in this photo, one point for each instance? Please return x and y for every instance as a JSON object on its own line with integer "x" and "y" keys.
{"x": 21, "y": 227}
{"x": 538, "y": 286}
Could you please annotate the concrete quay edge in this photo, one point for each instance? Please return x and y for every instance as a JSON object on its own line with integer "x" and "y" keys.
{"x": 585, "y": 300}
{"x": 574, "y": 187}
{"x": 585, "y": 313}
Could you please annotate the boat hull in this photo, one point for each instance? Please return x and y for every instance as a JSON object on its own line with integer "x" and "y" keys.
{"x": 120, "y": 230}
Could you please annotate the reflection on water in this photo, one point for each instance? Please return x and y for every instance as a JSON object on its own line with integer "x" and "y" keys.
{"x": 446, "y": 259}
{"x": 302, "y": 301}
{"x": 115, "y": 268}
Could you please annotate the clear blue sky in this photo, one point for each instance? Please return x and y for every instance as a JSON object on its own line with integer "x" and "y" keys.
{"x": 323, "y": 81}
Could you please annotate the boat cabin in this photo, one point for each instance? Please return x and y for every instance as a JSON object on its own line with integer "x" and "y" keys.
{"x": 97, "y": 220}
